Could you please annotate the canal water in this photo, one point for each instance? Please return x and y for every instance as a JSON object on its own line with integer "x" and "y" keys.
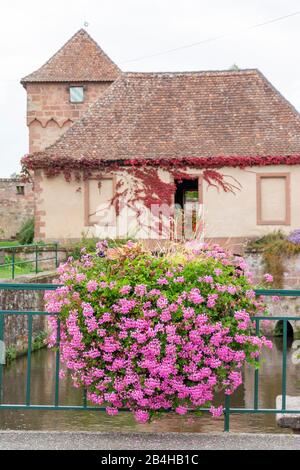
{"x": 42, "y": 392}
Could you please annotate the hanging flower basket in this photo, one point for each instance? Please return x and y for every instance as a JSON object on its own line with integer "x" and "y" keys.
{"x": 154, "y": 333}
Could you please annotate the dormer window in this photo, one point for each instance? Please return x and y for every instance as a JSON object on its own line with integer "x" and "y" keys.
{"x": 76, "y": 94}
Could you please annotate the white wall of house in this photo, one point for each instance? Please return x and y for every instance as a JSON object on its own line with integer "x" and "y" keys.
{"x": 268, "y": 199}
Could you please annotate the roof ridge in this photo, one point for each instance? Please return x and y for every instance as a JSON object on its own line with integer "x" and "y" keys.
{"x": 192, "y": 72}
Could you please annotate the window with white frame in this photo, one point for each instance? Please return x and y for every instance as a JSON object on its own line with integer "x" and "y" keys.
{"x": 76, "y": 94}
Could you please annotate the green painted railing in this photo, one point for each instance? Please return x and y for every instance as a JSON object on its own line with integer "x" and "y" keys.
{"x": 35, "y": 262}
{"x": 228, "y": 410}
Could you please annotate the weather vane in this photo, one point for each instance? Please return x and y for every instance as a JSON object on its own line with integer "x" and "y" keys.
{"x": 86, "y": 24}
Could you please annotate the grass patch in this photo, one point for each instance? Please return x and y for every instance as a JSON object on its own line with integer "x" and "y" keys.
{"x": 10, "y": 243}
{"x": 20, "y": 268}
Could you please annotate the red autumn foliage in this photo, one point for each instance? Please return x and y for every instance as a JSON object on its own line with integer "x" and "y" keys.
{"x": 151, "y": 189}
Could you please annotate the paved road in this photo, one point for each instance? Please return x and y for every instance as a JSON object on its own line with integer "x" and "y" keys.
{"x": 144, "y": 441}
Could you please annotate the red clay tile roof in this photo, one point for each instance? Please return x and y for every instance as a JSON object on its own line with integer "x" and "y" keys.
{"x": 79, "y": 60}
{"x": 175, "y": 115}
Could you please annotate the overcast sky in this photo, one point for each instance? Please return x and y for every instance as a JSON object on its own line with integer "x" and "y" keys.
{"x": 33, "y": 30}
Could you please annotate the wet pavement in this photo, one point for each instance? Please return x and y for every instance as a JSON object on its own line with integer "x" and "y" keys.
{"x": 44, "y": 440}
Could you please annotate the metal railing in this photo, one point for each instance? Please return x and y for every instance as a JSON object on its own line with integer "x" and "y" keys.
{"x": 36, "y": 249}
{"x": 228, "y": 410}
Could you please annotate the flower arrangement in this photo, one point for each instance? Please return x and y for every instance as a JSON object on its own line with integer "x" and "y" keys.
{"x": 153, "y": 333}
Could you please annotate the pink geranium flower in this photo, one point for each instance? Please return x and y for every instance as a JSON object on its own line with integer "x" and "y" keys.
{"x": 268, "y": 278}
{"x": 145, "y": 333}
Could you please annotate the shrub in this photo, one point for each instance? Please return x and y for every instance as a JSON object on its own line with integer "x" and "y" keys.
{"x": 39, "y": 340}
{"x": 155, "y": 333}
{"x": 26, "y": 233}
{"x": 275, "y": 248}
{"x": 89, "y": 245}
{"x": 11, "y": 354}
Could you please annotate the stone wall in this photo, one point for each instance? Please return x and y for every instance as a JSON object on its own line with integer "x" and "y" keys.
{"x": 15, "y": 328}
{"x": 291, "y": 275}
{"x": 16, "y": 206}
{"x": 50, "y": 112}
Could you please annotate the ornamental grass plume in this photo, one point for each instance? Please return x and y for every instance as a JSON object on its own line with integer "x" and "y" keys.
{"x": 153, "y": 333}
